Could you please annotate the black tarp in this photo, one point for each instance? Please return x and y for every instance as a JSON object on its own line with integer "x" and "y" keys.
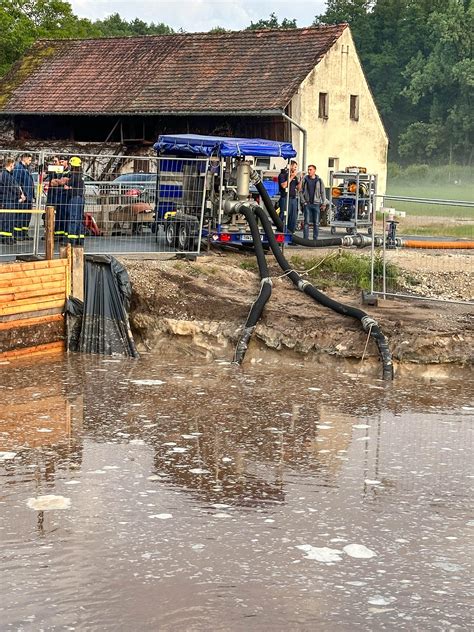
{"x": 100, "y": 324}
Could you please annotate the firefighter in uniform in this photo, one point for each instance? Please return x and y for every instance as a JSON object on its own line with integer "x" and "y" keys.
{"x": 58, "y": 196}
{"x": 75, "y": 213}
{"x": 22, "y": 175}
{"x": 11, "y": 196}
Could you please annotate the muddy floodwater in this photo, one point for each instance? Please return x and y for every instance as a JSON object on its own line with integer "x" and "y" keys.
{"x": 183, "y": 493}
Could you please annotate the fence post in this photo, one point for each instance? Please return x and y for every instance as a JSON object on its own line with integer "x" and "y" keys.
{"x": 49, "y": 233}
{"x": 39, "y": 202}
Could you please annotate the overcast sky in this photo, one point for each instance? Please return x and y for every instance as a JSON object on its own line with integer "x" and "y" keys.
{"x": 201, "y": 15}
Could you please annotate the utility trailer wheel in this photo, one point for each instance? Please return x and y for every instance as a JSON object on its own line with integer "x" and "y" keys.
{"x": 187, "y": 235}
{"x": 351, "y": 231}
{"x": 170, "y": 235}
{"x": 333, "y": 230}
{"x": 182, "y": 236}
{"x": 369, "y": 231}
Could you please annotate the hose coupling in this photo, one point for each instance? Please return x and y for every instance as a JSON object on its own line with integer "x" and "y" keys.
{"x": 362, "y": 241}
{"x": 266, "y": 280}
{"x": 368, "y": 323}
{"x": 302, "y": 283}
{"x": 234, "y": 206}
{"x": 254, "y": 176}
{"x": 347, "y": 241}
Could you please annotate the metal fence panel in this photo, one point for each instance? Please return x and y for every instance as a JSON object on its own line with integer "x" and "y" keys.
{"x": 20, "y": 202}
{"x": 427, "y": 249}
{"x": 131, "y": 204}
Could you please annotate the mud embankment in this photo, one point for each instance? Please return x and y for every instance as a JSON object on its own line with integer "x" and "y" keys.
{"x": 207, "y": 302}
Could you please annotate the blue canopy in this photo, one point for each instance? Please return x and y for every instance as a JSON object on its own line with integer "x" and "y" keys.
{"x": 196, "y": 145}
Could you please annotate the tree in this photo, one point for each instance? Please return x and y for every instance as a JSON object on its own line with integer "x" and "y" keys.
{"x": 22, "y": 22}
{"x": 442, "y": 79}
{"x": 115, "y": 26}
{"x": 403, "y": 45}
{"x": 272, "y": 23}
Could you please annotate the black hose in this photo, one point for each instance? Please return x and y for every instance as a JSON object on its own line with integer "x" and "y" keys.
{"x": 356, "y": 240}
{"x": 265, "y": 288}
{"x": 368, "y": 323}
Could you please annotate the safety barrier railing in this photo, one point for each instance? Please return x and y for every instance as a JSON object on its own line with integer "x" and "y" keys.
{"x": 424, "y": 249}
{"x": 130, "y": 204}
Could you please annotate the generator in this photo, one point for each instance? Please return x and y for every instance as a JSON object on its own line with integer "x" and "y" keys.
{"x": 352, "y": 200}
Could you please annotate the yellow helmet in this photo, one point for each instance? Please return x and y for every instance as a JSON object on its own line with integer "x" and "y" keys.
{"x": 75, "y": 161}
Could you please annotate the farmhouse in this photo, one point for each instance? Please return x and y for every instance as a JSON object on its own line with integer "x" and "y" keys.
{"x": 304, "y": 85}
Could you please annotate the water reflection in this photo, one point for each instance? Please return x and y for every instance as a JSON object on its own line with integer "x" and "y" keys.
{"x": 197, "y": 481}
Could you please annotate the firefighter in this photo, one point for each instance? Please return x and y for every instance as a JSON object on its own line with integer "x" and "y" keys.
{"x": 11, "y": 196}
{"x": 58, "y": 196}
{"x": 75, "y": 212}
{"x": 22, "y": 175}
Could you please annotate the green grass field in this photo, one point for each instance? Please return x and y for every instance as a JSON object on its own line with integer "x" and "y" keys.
{"x": 433, "y": 192}
{"x": 450, "y": 182}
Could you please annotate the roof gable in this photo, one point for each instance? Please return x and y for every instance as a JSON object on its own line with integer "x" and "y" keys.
{"x": 241, "y": 71}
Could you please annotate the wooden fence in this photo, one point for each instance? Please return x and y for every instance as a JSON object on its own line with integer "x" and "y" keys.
{"x": 32, "y": 300}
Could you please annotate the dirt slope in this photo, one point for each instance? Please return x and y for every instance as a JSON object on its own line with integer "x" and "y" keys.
{"x": 208, "y": 301}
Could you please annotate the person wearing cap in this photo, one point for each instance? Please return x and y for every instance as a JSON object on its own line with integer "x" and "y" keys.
{"x": 22, "y": 175}
{"x": 11, "y": 196}
{"x": 289, "y": 195}
{"x": 76, "y": 188}
{"x": 57, "y": 195}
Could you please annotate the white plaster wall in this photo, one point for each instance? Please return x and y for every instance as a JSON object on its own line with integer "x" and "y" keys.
{"x": 361, "y": 143}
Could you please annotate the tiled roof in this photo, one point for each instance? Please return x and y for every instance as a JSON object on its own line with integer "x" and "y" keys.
{"x": 245, "y": 71}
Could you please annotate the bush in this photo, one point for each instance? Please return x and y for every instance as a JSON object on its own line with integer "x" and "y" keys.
{"x": 416, "y": 172}
{"x": 341, "y": 269}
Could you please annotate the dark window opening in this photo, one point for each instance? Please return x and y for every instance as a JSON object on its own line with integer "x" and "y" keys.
{"x": 354, "y": 107}
{"x": 323, "y": 105}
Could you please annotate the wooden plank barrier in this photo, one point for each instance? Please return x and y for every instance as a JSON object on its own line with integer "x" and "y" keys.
{"x": 32, "y": 299}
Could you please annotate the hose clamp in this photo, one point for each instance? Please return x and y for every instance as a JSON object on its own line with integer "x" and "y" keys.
{"x": 255, "y": 176}
{"x": 267, "y": 280}
{"x": 302, "y": 284}
{"x": 368, "y": 322}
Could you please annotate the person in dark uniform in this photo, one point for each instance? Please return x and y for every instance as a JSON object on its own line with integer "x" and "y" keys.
{"x": 57, "y": 195}
{"x": 22, "y": 175}
{"x": 75, "y": 215}
{"x": 289, "y": 184}
{"x": 11, "y": 196}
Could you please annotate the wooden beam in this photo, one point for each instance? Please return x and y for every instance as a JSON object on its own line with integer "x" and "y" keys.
{"x": 21, "y": 294}
{"x": 28, "y": 322}
{"x": 50, "y": 347}
{"x": 39, "y": 313}
{"x": 31, "y": 307}
{"x": 31, "y": 287}
{"x": 39, "y": 277}
{"x": 49, "y": 233}
{"x": 32, "y": 265}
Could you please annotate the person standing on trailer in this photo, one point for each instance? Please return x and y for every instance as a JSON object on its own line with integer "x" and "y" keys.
{"x": 22, "y": 175}
{"x": 75, "y": 212}
{"x": 11, "y": 196}
{"x": 289, "y": 195}
{"x": 314, "y": 199}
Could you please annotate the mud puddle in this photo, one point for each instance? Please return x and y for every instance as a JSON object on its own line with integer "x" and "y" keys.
{"x": 179, "y": 493}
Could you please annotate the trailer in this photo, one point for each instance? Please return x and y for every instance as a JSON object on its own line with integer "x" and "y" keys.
{"x": 352, "y": 195}
{"x": 203, "y": 180}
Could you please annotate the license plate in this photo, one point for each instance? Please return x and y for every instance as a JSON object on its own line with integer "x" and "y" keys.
{"x": 247, "y": 238}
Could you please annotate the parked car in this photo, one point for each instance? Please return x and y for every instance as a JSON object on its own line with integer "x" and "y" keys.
{"x": 131, "y": 188}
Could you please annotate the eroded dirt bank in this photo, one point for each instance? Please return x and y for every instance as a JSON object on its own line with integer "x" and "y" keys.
{"x": 208, "y": 301}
